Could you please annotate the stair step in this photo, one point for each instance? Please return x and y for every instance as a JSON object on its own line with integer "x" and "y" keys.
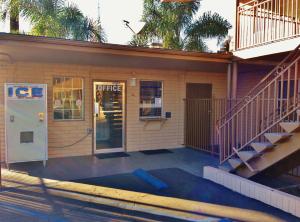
{"x": 277, "y": 137}
{"x": 247, "y": 155}
{"x": 226, "y": 168}
{"x": 290, "y": 127}
{"x": 235, "y": 162}
{"x": 262, "y": 146}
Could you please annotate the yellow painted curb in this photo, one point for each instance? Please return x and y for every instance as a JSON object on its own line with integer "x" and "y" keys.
{"x": 133, "y": 206}
{"x": 141, "y": 201}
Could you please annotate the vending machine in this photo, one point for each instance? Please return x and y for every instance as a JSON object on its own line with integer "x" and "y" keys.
{"x": 26, "y": 130}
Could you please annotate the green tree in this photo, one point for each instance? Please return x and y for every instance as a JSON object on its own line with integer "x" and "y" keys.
{"x": 53, "y": 18}
{"x": 11, "y": 8}
{"x": 177, "y": 27}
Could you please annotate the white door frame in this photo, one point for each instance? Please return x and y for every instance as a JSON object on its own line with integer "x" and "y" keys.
{"x": 109, "y": 150}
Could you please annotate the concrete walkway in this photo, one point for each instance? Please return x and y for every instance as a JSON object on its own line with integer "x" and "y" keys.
{"x": 72, "y": 168}
{"x": 27, "y": 198}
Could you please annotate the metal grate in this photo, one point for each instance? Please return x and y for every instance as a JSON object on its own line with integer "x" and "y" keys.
{"x": 201, "y": 116}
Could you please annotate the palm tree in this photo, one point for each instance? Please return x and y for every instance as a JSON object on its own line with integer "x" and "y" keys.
{"x": 176, "y": 25}
{"x": 139, "y": 40}
{"x": 53, "y": 18}
{"x": 11, "y": 8}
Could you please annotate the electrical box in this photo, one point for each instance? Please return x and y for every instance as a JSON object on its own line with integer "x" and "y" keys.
{"x": 26, "y": 129}
{"x": 168, "y": 115}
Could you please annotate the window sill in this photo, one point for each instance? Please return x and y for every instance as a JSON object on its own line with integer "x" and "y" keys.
{"x": 67, "y": 120}
{"x": 153, "y": 119}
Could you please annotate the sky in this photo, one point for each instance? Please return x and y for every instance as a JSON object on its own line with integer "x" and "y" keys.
{"x": 112, "y": 14}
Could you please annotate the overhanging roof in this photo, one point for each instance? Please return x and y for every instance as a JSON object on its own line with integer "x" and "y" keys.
{"x": 51, "y": 50}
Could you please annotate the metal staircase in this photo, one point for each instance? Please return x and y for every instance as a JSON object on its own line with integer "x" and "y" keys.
{"x": 262, "y": 129}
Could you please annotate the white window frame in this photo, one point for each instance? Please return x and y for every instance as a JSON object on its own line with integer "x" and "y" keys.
{"x": 83, "y": 99}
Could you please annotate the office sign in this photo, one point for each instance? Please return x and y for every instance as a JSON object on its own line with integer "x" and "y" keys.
{"x": 110, "y": 88}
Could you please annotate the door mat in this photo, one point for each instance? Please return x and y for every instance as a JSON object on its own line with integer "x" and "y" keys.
{"x": 153, "y": 152}
{"x": 112, "y": 155}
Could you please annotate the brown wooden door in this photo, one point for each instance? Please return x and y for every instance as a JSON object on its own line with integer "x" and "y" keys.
{"x": 198, "y": 116}
{"x": 198, "y": 91}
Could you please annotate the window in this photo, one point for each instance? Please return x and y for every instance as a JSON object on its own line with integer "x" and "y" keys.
{"x": 67, "y": 98}
{"x": 150, "y": 98}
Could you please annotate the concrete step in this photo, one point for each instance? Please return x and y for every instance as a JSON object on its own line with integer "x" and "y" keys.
{"x": 235, "y": 162}
{"x": 290, "y": 127}
{"x": 247, "y": 155}
{"x": 262, "y": 146}
{"x": 277, "y": 137}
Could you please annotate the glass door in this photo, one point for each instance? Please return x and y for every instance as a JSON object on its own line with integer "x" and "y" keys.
{"x": 109, "y": 115}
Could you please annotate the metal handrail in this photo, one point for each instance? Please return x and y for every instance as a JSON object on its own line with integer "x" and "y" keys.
{"x": 245, "y": 124}
{"x": 262, "y": 82}
{"x": 249, "y": 3}
{"x": 261, "y": 133}
{"x": 251, "y": 99}
{"x": 242, "y": 8}
{"x": 260, "y": 22}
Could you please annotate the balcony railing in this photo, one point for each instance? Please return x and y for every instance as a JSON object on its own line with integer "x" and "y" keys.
{"x": 264, "y": 21}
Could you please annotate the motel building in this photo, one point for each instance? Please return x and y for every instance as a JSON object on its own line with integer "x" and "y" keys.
{"x": 64, "y": 98}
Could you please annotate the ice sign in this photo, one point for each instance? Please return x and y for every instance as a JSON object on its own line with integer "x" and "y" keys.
{"x": 25, "y": 92}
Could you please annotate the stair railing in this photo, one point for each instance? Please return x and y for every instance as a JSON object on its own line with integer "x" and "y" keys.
{"x": 266, "y": 105}
{"x": 264, "y": 81}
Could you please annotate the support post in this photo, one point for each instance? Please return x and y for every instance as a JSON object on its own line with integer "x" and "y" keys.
{"x": 229, "y": 80}
{"x": 0, "y": 172}
{"x": 234, "y": 80}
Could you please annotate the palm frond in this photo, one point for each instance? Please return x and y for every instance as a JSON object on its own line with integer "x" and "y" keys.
{"x": 173, "y": 24}
{"x": 56, "y": 19}
{"x": 139, "y": 41}
{"x": 194, "y": 43}
{"x": 90, "y": 31}
{"x": 209, "y": 26}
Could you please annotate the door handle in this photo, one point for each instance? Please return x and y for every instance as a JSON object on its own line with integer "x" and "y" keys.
{"x": 96, "y": 109}
{"x": 41, "y": 116}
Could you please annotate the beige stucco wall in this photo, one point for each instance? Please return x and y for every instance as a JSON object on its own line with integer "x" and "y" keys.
{"x": 139, "y": 134}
